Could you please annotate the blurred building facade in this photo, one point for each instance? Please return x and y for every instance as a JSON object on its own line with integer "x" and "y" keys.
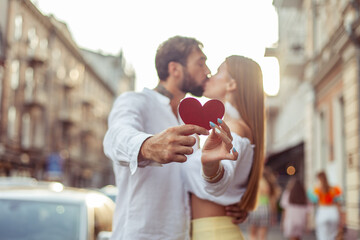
{"x": 314, "y": 121}
{"x": 54, "y": 101}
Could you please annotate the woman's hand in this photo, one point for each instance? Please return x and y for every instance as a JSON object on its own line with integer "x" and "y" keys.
{"x": 218, "y": 145}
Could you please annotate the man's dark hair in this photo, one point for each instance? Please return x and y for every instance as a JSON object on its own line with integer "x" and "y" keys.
{"x": 175, "y": 49}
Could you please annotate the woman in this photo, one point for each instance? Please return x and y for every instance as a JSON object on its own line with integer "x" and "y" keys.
{"x": 295, "y": 210}
{"x": 238, "y": 84}
{"x": 328, "y": 213}
{"x": 263, "y": 217}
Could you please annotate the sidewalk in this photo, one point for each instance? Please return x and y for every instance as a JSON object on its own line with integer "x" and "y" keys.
{"x": 275, "y": 233}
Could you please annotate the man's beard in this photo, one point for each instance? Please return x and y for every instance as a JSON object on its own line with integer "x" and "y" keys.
{"x": 189, "y": 85}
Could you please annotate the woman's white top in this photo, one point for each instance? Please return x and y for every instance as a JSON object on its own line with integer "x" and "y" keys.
{"x": 232, "y": 186}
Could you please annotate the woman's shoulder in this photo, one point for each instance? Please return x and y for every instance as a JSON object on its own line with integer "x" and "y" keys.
{"x": 241, "y": 129}
{"x": 336, "y": 190}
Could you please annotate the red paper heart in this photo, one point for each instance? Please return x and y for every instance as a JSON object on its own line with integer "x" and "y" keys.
{"x": 191, "y": 112}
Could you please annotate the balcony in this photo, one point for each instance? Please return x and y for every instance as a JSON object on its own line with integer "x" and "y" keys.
{"x": 36, "y": 58}
{"x": 75, "y": 153}
{"x": 73, "y": 78}
{"x": 271, "y": 52}
{"x": 272, "y": 105}
{"x": 88, "y": 101}
{"x": 92, "y": 159}
{"x": 287, "y": 3}
{"x": 88, "y": 128}
{"x": 69, "y": 83}
{"x": 38, "y": 100}
{"x": 69, "y": 116}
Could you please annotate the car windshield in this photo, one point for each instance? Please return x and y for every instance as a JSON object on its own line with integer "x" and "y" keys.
{"x": 35, "y": 220}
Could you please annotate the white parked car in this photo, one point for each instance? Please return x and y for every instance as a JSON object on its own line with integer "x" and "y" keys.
{"x": 54, "y": 212}
{"x": 111, "y": 191}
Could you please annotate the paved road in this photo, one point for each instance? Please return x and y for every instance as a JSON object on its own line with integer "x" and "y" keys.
{"x": 276, "y": 234}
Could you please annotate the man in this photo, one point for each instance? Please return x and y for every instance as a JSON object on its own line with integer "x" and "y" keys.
{"x": 146, "y": 146}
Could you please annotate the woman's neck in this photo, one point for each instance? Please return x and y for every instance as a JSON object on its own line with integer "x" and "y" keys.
{"x": 231, "y": 112}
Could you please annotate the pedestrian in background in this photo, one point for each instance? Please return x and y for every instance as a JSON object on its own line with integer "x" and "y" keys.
{"x": 327, "y": 198}
{"x": 265, "y": 214}
{"x": 295, "y": 210}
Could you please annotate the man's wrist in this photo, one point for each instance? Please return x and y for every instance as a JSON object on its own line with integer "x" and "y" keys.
{"x": 145, "y": 157}
{"x": 143, "y": 153}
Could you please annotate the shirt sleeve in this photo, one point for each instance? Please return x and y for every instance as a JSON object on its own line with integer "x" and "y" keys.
{"x": 337, "y": 194}
{"x": 125, "y": 133}
{"x": 312, "y": 196}
{"x": 231, "y": 187}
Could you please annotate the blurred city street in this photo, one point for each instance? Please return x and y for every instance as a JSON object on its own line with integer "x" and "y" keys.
{"x": 63, "y": 64}
{"x": 275, "y": 233}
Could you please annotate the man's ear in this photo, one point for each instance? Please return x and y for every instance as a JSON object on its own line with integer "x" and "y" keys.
{"x": 174, "y": 69}
{"x": 231, "y": 85}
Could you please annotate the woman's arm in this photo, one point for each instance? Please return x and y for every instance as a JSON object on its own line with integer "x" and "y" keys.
{"x": 229, "y": 189}
{"x": 218, "y": 146}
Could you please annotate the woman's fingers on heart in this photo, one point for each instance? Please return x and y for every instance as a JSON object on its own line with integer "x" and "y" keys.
{"x": 223, "y": 134}
{"x": 234, "y": 154}
{"x": 224, "y": 138}
{"x": 217, "y": 128}
{"x": 225, "y": 127}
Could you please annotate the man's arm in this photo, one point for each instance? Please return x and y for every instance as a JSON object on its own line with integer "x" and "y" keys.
{"x": 171, "y": 145}
{"x": 127, "y": 142}
{"x": 126, "y": 132}
{"x": 238, "y": 215}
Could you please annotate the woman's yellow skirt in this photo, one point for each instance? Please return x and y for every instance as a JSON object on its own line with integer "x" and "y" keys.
{"x": 215, "y": 228}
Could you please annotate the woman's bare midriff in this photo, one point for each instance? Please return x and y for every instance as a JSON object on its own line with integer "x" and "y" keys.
{"x": 202, "y": 208}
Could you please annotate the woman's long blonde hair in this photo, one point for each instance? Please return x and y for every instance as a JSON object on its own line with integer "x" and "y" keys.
{"x": 249, "y": 101}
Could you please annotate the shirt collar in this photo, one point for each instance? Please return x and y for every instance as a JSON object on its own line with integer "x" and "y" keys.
{"x": 161, "y": 98}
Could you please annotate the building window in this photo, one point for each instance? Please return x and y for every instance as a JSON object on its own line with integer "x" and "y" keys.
{"x": 29, "y": 84}
{"x": 74, "y": 74}
{"x": 43, "y": 44}
{"x": 61, "y": 73}
{"x": 33, "y": 39}
{"x": 40, "y": 83}
{"x": 56, "y": 54}
{"x": 12, "y": 122}
{"x": 39, "y": 133}
{"x": 15, "y": 74}
{"x": 339, "y": 142}
{"x": 18, "y": 27}
{"x": 43, "y": 48}
{"x": 26, "y": 131}
{"x": 324, "y": 147}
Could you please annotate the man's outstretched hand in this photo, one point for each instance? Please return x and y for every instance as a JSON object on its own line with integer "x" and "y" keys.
{"x": 238, "y": 215}
{"x": 171, "y": 145}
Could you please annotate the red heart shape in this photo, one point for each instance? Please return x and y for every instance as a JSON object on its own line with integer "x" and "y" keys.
{"x": 192, "y": 112}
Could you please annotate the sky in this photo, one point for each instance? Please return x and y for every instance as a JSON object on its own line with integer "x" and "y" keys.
{"x": 138, "y": 27}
